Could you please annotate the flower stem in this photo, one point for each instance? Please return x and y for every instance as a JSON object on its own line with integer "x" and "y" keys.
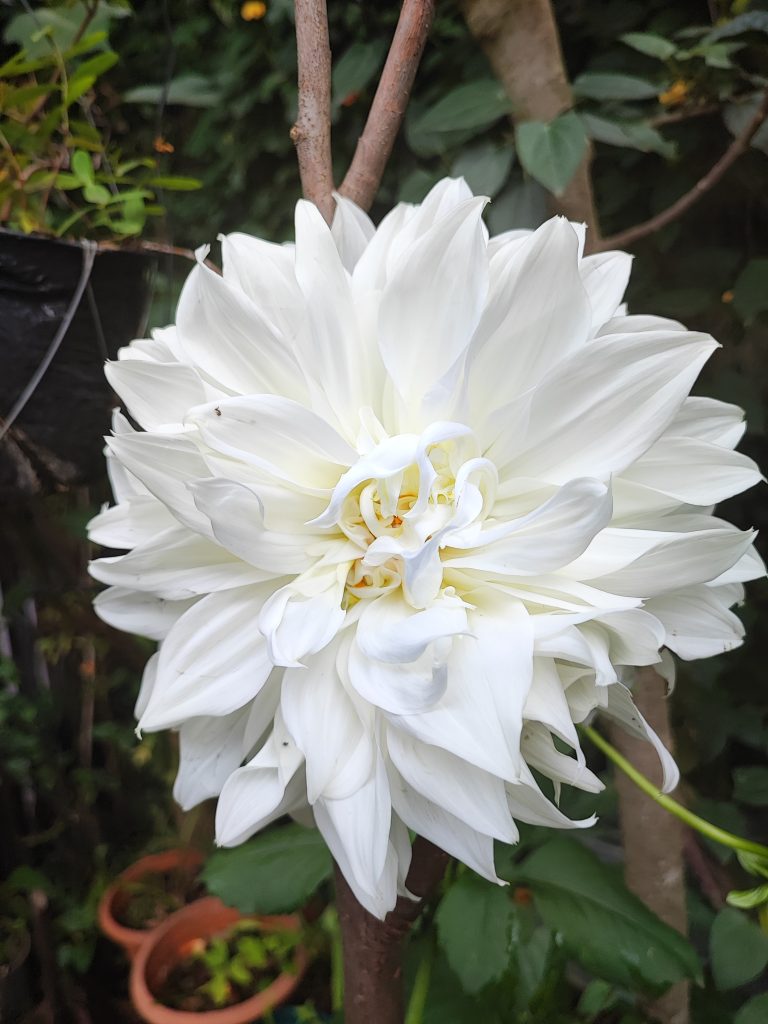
{"x": 420, "y": 988}
{"x": 702, "y": 826}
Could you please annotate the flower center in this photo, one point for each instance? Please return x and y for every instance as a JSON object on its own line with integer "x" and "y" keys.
{"x": 403, "y": 503}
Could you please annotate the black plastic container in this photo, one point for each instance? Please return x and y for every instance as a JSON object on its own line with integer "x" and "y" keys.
{"x": 57, "y": 439}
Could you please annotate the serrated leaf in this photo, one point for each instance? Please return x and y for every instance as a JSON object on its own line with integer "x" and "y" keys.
{"x": 485, "y": 167}
{"x": 551, "y": 151}
{"x": 627, "y": 134}
{"x": 738, "y": 949}
{"x": 474, "y": 923}
{"x": 474, "y": 106}
{"x": 602, "y": 925}
{"x": 275, "y": 872}
{"x": 604, "y": 85}
{"x": 650, "y": 44}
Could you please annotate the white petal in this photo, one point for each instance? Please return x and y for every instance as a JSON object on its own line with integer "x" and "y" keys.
{"x": 265, "y": 272}
{"x": 277, "y": 435}
{"x": 536, "y": 315}
{"x": 176, "y": 565}
{"x": 137, "y": 520}
{"x": 135, "y": 611}
{"x": 602, "y": 408}
{"x": 232, "y": 343}
{"x": 528, "y": 803}
{"x": 622, "y": 709}
{"x": 326, "y": 728}
{"x": 432, "y": 302}
{"x": 209, "y": 751}
{"x": 213, "y": 660}
{"x": 697, "y": 621}
{"x": 540, "y": 753}
{"x": 693, "y": 471}
{"x": 392, "y": 631}
{"x": 475, "y": 797}
{"x": 236, "y": 514}
{"x": 304, "y": 616}
{"x": 605, "y": 277}
{"x": 352, "y": 230}
{"x": 442, "y": 828}
{"x": 546, "y": 701}
{"x": 158, "y": 395}
{"x": 148, "y": 679}
{"x": 709, "y": 420}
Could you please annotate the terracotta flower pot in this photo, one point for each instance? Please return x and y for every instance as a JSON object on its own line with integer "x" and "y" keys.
{"x": 116, "y": 897}
{"x": 166, "y": 945}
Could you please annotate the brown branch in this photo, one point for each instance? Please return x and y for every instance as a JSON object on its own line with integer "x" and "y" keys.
{"x": 521, "y": 41}
{"x": 312, "y": 132}
{"x": 648, "y": 227}
{"x": 684, "y": 114}
{"x": 374, "y": 146}
{"x": 161, "y": 248}
{"x": 373, "y": 982}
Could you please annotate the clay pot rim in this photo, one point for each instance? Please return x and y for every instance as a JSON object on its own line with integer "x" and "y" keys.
{"x": 132, "y": 938}
{"x": 251, "y": 1009}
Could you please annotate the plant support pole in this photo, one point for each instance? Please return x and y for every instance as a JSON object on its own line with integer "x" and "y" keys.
{"x": 312, "y": 132}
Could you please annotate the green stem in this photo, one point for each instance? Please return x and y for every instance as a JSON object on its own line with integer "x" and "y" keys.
{"x": 420, "y": 988}
{"x": 706, "y": 828}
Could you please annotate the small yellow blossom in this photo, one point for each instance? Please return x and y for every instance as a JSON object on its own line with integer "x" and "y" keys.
{"x": 727, "y": 296}
{"x": 253, "y": 10}
{"x": 675, "y": 94}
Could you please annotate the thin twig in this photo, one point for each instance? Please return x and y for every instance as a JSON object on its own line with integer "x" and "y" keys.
{"x": 648, "y": 227}
{"x": 162, "y": 248}
{"x": 389, "y": 103}
{"x": 684, "y": 114}
{"x": 312, "y": 132}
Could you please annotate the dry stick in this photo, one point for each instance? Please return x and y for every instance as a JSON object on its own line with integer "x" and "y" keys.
{"x": 648, "y": 227}
{"x": 312, "y": 132}
{"x": 374, "y": 146}
{"x": 373, "y": 949}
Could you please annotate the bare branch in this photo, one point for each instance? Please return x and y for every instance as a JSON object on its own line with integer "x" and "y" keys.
{"x": 648, "y": 227}
{"x": 312, "y": 132}
{"x": 388, "y": 108}
{"x": 161, "y": 248}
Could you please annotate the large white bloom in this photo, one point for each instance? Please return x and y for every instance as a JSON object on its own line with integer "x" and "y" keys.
{"x": 405, "y": 504}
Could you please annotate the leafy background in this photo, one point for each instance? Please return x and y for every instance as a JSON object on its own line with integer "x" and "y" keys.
{"x": 660, "y": 88}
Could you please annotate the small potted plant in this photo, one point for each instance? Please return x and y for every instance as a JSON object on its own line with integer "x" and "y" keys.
{"x": 209, "y": 963}
{"x": 147, "y": 893}
{"x": 74, "y": 280}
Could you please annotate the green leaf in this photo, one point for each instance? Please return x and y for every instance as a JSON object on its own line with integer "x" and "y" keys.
{"x": 748, "y": 899}
{"x": 628, "y": 134}
{"x": 738, "y": 949}
{"x": 416, "y": 185}
{"x": 523, "y": 205}
{"x": 186, "y": 91}
{"x": 82, "y": 167}
{"x": 604, "y": 85}
{"x": 474, "y": 922}
{"x": 596, "y": 997}
{"x": 356, "y": 68}
{"x": 275, "y": 872}
{"x": 753, "y": 1012}
{"x": 476, "y": 105}
{"x": 176, "y": 183}
{"x": 650, "y": 44}
{"x": 601, "y": 923}
{"x": 751, "y": 21}
{"x": 739, "y": 114}
{"x": 485, "y": 167}
{"x": 750, "y": 297}
{"x": 97, "y": 194}
{"x": 86, "y": 74}
{"x": 551, "y": 152}
{"x": 751, "y": 781}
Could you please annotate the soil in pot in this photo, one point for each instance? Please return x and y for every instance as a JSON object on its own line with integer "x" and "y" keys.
{"x": 146, "y": 902}
{"x": 229, "y": 968}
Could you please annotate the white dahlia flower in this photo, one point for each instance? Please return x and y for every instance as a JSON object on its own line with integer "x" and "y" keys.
{"x": 404, "y": 506}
